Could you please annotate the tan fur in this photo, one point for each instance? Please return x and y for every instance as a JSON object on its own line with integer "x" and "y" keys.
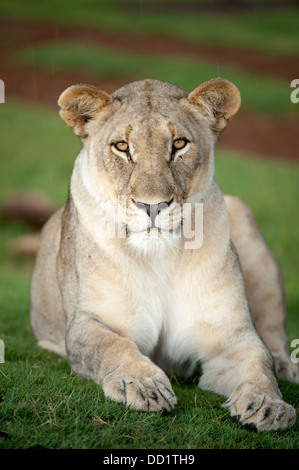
{"x": 127, "y": 308}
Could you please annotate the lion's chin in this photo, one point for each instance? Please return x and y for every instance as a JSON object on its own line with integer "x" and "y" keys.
{"x": 153, "y": 241}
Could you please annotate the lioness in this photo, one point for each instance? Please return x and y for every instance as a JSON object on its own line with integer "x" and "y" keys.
{"x": 127, "y": 307}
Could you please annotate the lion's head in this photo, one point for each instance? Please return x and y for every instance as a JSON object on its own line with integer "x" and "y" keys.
{"x": 150, "y": 145}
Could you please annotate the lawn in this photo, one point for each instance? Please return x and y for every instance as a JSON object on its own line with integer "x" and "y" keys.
{"x": 42, "y": 404}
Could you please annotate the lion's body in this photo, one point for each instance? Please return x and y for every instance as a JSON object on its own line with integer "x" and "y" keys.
{"x": 121, "y": 308}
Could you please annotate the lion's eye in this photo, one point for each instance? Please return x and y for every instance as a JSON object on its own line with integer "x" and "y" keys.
{"x": 122, "y": 146}
{"x": 179, "y": 144}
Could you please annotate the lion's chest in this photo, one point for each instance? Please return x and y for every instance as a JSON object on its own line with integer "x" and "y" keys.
{"x": 150, "y": 301}
{"x": 165, "y": 308}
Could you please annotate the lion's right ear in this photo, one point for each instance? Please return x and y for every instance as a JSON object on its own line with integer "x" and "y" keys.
{"x": 79, "y": 104}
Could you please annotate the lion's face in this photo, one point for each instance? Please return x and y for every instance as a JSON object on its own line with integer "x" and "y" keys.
{"x": 152, "y": 147}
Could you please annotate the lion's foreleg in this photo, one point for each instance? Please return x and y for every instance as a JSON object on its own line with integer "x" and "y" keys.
{"x": 244, "y": 372}
{"x": 97, "y": 353}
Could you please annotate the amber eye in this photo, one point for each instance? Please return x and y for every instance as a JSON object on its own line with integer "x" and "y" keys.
{"x": 178, "y": 144}
{"x": 122, "y": 146}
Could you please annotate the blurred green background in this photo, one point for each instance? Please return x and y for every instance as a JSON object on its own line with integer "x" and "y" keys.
{"x": 49, "y": 45}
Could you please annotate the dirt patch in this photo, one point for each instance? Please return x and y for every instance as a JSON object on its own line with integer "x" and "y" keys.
{"x": 251, "y": 133}
{"x": 247, "y": 132}
{"x": 224, "y": 7}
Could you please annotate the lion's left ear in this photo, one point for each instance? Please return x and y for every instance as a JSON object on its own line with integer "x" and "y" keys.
{"x": 219, "y": 99}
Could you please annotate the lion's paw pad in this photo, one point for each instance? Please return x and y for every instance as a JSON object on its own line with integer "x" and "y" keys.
{"x": 144, "y": 394}
{"x": 262, "y": 412}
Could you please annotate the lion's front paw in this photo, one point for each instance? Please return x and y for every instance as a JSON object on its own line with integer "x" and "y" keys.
{"x": 261, "y": 411}
{"x": 142, "y": 393}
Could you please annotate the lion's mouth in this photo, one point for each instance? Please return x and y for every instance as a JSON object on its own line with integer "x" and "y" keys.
{"x": 154, "y": 231}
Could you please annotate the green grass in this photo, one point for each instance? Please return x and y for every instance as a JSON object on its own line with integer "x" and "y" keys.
{"x": 268, "y": 96}
{"x": 47, "y": 406}
{"x": 35, "y": 159}
{"x": 271, "y": 31}
{"x": 42, "y": 403}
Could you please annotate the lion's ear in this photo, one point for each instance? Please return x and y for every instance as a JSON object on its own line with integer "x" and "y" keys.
{"x": 219, "y": 99}
{"x": 79, "y": 104}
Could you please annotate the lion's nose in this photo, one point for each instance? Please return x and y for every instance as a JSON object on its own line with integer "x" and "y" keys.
{"x": 153, "y": 210}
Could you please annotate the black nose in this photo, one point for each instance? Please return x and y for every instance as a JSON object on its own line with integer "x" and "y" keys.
{"x": 153, "y": 210}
